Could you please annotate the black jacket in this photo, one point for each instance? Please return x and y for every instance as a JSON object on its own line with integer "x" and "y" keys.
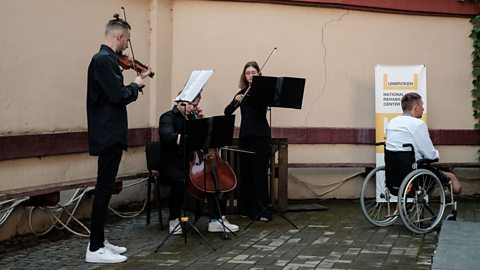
{"x": 107, "y": 99}
{"x": 254, "y": 117}
{"x": 170, "y": 125}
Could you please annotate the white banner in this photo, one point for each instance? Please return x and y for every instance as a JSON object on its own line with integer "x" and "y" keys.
{"x": 391, "y": 83}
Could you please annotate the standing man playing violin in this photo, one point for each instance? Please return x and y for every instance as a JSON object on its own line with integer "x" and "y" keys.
{"x": 174, "y": 165}
{"x": 107, "y": 98}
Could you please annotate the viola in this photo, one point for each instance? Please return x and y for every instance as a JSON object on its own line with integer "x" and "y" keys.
{"x": 128, "y": 63}
{"x": 209, "y": 174}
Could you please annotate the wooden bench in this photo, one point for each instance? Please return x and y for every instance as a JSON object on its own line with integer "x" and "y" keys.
{"x": 49, "y": 194}
{"x": 278, "y": 178}
{"x": 47, "y": 197}
{"x": 279, "y": 170}
{"x": 367, "y": 166}
{"x": 452, "y": 165}
{"x": 448, "y": 166}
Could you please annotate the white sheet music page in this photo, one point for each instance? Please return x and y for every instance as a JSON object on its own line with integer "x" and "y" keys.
{"x": 194, "y": 85}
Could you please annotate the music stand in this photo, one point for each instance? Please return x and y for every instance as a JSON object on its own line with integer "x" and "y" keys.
{"x": 211, "y": 133}
{"x": 280, "y": 92}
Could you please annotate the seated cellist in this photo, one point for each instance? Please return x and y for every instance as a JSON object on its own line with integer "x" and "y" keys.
{"x": 174, "y": 167}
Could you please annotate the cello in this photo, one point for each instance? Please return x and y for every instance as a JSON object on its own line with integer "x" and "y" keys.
{"x": 209, "y": 174}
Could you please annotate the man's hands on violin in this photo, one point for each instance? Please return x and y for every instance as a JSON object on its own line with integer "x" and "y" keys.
{"x": 146, "y": 72}
{"x": 139, "y": 79}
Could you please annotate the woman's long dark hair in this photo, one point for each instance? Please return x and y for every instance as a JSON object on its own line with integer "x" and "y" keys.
{"x": 243, "y": 79}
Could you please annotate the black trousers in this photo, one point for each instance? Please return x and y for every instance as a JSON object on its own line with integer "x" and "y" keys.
{"x": 108, "y": 162}
{"x": 254, "y": 195}
{"x": 173, "y": 173}
{"x": 213, "y": 208}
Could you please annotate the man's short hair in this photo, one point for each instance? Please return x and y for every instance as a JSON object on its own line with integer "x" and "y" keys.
{"x": 116, "y": 24}
{"x": 410, "y": 99}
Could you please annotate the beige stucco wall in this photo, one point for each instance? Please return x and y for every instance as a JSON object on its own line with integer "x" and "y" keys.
{"x": 64, "y": 168}
{"x": 336, "y": 50}
{"x": 47, "y": 45}
{"x": 46, "y": 49}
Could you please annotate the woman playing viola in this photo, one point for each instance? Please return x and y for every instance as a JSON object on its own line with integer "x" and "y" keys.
{"x": 254, "y": 136}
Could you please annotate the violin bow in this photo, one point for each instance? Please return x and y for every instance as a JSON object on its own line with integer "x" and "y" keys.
{"x": 260, "y": 71}
{"x": 129, "y": 41}
{"x": 131, "y": 48}
{"x": 271, "y": 53}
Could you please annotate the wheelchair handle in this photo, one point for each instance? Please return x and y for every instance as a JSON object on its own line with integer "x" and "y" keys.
{"x": 426, "y": 161}
{"x": 404, "y": 145}
{"x": 409, "y": 145}
{"x": 418, "y": 162}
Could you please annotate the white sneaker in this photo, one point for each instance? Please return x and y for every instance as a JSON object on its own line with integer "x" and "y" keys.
{"x": 216, "y": 226}
{"x": 104, "y": 255}
{"x": 116, "y": 249}
{"x": 174, "y": 224}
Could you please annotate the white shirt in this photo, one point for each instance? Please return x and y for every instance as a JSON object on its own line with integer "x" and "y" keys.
{"x": 405, "y": 129}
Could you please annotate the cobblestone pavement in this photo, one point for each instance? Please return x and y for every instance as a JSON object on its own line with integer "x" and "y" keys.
{"x": 338, "y": 238}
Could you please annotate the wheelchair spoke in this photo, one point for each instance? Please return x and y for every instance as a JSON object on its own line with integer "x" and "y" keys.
{"x": 423, "y": 201}
{"x": 418, "y": 217}
{"x": 378, "y": 209}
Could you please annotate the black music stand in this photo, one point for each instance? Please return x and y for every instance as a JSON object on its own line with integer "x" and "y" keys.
{"x": 280, "y": 92}
{"x": 200, "y": 134}
{"x": 212, "y": 132}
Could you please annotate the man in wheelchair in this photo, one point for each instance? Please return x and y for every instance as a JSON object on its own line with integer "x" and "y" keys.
{"x": 409, "y": 129}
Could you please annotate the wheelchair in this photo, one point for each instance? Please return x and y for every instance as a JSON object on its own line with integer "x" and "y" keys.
{"x": 409, "y": 189}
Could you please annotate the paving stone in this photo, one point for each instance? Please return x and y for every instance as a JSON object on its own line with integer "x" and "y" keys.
{"x": 339, "y": 238}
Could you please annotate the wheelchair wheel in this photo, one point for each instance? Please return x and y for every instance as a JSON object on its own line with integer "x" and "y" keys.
{"x": 381, "y": 212}
{"x": 422, "y": 201}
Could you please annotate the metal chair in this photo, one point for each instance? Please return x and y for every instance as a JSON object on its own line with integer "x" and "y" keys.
{"x": 152, "y": 153}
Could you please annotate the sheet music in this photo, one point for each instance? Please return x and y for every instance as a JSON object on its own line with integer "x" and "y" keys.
{"x": 194, "y": 85}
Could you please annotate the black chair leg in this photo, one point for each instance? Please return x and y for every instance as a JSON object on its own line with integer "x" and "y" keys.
{"x": 157, "y": 191}
{"x": 149, "y": 190}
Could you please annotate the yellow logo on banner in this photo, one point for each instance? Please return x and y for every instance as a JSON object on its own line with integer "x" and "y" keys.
{"x": 408, "y": 85}
{"x": 381, "y": 121}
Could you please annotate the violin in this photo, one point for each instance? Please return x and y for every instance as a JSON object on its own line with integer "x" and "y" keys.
{"x": 128, "y": 63}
